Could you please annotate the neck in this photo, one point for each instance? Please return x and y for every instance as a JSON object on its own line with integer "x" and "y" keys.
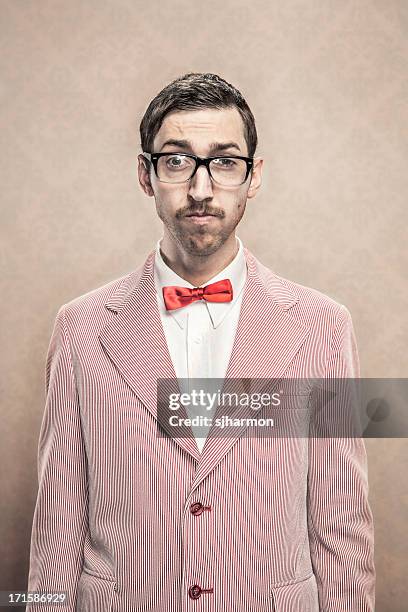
{"x": 195, "y": 269}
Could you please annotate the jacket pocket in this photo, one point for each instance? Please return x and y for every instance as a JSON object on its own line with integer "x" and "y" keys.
{"x": 94, "y": 594}
{"x": 296, "y": 597}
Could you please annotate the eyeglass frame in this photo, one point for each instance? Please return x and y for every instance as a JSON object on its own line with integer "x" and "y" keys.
{"x": 199, "y": 161}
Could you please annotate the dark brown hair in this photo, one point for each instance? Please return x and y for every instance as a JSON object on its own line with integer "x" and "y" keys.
{"x": 194, "y": 91}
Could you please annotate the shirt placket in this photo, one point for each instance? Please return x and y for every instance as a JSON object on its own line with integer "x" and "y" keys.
{"x": 198, "y": 365}
{"x": 197, "y": 342}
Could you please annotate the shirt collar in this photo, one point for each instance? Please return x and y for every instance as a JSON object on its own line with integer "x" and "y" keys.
{"x": 236, "y": 271}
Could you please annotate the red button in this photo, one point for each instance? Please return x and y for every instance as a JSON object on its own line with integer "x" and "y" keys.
{"x": 197, "y": 508}
{"x": 194, "y": 591}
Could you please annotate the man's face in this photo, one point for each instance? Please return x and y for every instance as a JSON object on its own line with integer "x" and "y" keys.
{"x": 204, "y": 133}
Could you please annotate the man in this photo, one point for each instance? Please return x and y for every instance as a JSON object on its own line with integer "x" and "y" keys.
{"x": 127, "y": 519}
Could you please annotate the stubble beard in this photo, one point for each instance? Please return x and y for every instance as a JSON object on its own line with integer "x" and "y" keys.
{"x": 201, "y": 240}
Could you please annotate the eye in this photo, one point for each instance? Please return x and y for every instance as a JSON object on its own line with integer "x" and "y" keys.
{"x": 176, "y": 161}
{"x": 224, "y": 162}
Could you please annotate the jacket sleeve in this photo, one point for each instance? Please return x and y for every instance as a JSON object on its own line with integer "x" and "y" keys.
{"x": 60, "y": 519}
{"x": 340, "y": 522}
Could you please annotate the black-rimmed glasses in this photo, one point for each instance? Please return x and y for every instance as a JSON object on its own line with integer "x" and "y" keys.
{"x": 229, "y": 171}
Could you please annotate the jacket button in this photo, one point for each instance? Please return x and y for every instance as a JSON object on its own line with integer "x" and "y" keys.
{"x": 196, "y": 508}
{"x": 194, "y": 591}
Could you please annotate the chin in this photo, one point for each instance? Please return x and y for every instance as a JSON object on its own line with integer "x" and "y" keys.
{"x": 207, "y": 245}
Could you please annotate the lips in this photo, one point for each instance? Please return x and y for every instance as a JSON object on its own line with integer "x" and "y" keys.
{"x": 200, "y": 215}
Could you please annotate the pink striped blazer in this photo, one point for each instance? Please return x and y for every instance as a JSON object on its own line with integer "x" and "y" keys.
{"x": 128, "y": 521}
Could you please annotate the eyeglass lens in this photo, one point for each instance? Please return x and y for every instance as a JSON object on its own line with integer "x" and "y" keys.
{"x": 179, "y": 168}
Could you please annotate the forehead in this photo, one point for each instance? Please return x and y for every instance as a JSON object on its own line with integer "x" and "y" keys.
{"x": 202, "y": 128}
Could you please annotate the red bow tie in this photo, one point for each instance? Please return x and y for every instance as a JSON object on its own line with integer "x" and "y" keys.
{"x": 176, "y": 297}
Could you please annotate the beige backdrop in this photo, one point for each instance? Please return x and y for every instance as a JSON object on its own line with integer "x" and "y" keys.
{"x": 327, "y": 82}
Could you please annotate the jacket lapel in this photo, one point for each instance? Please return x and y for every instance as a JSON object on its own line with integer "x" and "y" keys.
{"x": 266, "y": 342}
{"x": 135, "y": 342}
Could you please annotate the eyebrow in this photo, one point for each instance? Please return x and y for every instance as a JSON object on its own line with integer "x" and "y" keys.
{"x": 214, "y": 146}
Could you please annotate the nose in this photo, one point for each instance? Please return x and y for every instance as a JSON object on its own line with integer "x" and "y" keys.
{"x": 200, "y": 185}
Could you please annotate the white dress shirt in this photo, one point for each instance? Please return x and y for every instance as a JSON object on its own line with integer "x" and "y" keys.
{"x": 200, "y": 336}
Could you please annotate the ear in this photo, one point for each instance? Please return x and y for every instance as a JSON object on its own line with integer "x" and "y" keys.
{"x": 256, "y": 178}
{"x": 144, "y": 175}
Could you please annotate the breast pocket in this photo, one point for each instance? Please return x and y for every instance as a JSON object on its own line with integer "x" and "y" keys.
{"x": 94, "y": 594}
{"x": 297, "y": 597}
{"x": 292, "y": 416}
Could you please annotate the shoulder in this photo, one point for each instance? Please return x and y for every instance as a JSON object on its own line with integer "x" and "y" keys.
{"x": 96, "y": 305}
{"x": 307, "y": 304}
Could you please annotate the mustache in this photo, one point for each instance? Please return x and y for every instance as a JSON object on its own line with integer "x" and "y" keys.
{"x": 202, "y": 210}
